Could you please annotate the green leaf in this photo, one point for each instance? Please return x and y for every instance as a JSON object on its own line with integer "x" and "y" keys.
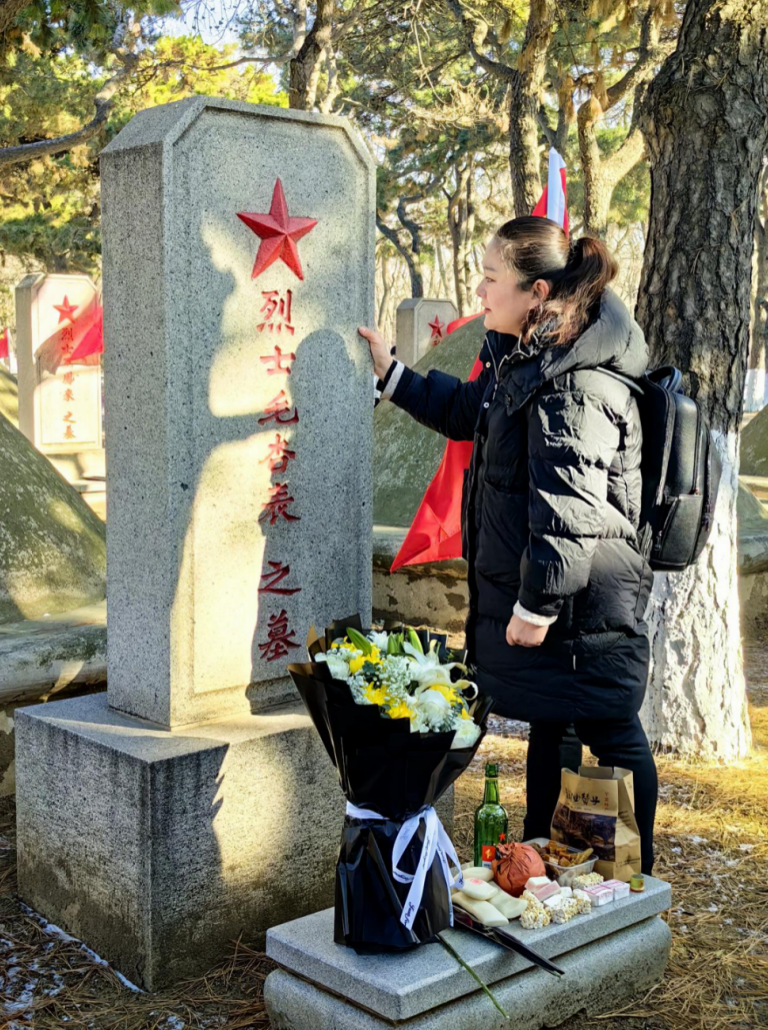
{"x": 413, "y": 638}
{"x": 394, "y": 643}
{"x": 360, "y": 642}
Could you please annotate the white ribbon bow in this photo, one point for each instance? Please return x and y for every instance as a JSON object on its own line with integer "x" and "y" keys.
{"x": 436, "y": 842}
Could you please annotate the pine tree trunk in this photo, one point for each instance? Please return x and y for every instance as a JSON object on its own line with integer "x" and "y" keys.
{"x": 706, "y": 129}
{"x": 754, "y": 393}
{"x": 461, "y": 223}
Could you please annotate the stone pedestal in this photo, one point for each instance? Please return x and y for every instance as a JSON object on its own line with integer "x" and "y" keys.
{"x": 608, "y": 957}
{"x": 420, "y": 325}
{"x": 159, "y": 849}
{"x": 195, "y": 803}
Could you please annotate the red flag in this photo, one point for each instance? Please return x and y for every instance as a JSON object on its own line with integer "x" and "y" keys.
{"x": 435, "y": 533}
{"x": 4, "y": 344}
{"x": 65, "y": 345}
{"x": 93, "y": 340}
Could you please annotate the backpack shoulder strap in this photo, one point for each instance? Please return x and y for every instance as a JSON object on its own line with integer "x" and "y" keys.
{"x": 633, "y": 385}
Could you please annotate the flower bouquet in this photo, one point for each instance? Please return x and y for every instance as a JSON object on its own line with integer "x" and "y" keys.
{"x": 400, "y": 724}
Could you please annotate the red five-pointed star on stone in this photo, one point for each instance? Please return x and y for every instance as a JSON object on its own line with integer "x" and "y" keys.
{"x": 278, "y": 233}
{"x": 66, "y": 310}
{"x": 437, "y": 329}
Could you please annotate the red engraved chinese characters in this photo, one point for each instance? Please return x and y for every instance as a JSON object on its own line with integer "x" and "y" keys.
{"x": 276, "y": 408}
{"x": 67, "y": 340}
{"x": 277, "y": 312}
{"x": 277, "y": 575}
{"x": 277, "y": 505}
{"x": 278, "y": 455}
{"x": 278, "y": 638}
{"x": 278, "y": 362}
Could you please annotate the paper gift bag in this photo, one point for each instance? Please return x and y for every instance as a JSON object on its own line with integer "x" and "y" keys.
{"x": 596, "y": 809}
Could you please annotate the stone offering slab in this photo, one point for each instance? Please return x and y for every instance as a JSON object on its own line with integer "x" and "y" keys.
{"x": 399, "y": 987}
{"x": 599, "y": 978}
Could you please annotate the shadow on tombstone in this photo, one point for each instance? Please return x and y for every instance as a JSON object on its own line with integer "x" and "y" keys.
{"x": 306, "y": 544}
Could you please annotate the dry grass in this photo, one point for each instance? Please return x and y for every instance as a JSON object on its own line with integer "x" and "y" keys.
{"x": 711, "y": 844}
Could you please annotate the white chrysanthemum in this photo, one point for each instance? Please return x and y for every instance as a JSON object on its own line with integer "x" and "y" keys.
{"x": 433, "y": 709}
{"x": 338, "y": 667}
{"x": 466, "y": 734}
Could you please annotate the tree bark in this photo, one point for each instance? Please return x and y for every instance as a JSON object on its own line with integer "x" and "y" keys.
{"x": 754, "y": 392}
{"x": 461, "y": 223}
{"x": 524, "y": 104}
{"x": 705, "y": 122}
{"x": 526, "y": 83}
{"x": 305, "y": 67}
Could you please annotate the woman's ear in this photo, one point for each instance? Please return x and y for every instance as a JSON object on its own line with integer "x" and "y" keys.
{"x": 541, "y": 289}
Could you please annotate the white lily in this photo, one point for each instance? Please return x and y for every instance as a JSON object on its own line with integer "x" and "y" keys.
{"x": 379, "y": 640}
{"x": 427, "y": 670}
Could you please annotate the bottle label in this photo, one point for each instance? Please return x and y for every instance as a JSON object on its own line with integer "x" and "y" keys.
{"x": 488, "y": 854}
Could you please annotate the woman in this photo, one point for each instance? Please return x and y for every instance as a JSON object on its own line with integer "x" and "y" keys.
{"x": 550, "y": 506}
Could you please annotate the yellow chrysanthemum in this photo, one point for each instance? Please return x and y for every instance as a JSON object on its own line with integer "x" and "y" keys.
{"x": 356, "y": 664}
{"x": 465, "y": 714}
{"x": 376, "y": 695}
{"x": 400, "y": 711}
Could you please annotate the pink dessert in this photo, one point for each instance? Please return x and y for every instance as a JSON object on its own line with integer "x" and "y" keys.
{"x": 619, "y": 888}
{"x": 599, "y": 895}
{"x": 547, "y": 890}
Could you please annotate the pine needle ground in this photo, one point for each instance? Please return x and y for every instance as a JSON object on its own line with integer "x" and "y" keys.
{"x": 711, "y": 845}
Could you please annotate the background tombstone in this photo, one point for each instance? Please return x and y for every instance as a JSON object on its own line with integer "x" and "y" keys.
{"x": 59, "y": 403}
{"x": 160, "y": 821}
{"x": 420, "y": 324}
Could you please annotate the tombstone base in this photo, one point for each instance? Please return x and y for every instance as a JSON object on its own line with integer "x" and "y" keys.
{"x": 599, "y": 977}
{"x": 159, "y": 848}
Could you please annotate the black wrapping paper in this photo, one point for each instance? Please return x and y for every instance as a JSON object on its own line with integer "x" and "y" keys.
{"x": 383, "y": 767}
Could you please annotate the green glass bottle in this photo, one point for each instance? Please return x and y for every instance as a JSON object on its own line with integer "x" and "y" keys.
{"x": 490, "y": 819}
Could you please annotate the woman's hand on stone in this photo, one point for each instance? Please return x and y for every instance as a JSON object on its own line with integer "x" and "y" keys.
{"x": 380, "y": 350}
{"x": 525, "y": 633}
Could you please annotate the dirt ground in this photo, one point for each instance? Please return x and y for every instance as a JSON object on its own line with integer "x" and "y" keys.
{"x": 711, "y": 843}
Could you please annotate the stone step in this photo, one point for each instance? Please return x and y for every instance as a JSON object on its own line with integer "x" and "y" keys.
{"x": 599, "y": 977}
{"x": 405, "y": 986}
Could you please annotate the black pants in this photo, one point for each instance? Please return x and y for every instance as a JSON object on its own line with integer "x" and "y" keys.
{"x": 613, "y": 743}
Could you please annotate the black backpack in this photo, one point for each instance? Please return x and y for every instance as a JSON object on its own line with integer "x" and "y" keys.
{"x": 680, "y": 468}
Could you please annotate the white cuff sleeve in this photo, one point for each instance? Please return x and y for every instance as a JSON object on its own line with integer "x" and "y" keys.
{"x": 536, "y": 620}
{"x": 394, "y": 379}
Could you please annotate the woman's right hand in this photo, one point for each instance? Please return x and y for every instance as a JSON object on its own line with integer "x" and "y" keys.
{"x": 380, "y": 350}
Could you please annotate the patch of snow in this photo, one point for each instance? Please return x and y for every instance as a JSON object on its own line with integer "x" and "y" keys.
{"x": 56, "y": 931}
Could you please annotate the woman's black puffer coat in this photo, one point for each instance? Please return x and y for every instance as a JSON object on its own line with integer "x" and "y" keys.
{"x": 550, "y": 509}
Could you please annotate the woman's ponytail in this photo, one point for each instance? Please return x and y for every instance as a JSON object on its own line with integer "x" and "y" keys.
{"x": 577, "y": 270}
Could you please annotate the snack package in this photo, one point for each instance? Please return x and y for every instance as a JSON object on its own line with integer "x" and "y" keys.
{"x": 596, "y": 809}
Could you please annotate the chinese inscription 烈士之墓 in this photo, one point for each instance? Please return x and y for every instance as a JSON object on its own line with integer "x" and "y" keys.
{"x": 278, "y": 233}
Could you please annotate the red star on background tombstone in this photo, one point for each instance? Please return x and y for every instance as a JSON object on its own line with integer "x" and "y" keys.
{"x": 437, "y": 329}
{"x": 66, "y": 310}
{"x": 278, "y": 233}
